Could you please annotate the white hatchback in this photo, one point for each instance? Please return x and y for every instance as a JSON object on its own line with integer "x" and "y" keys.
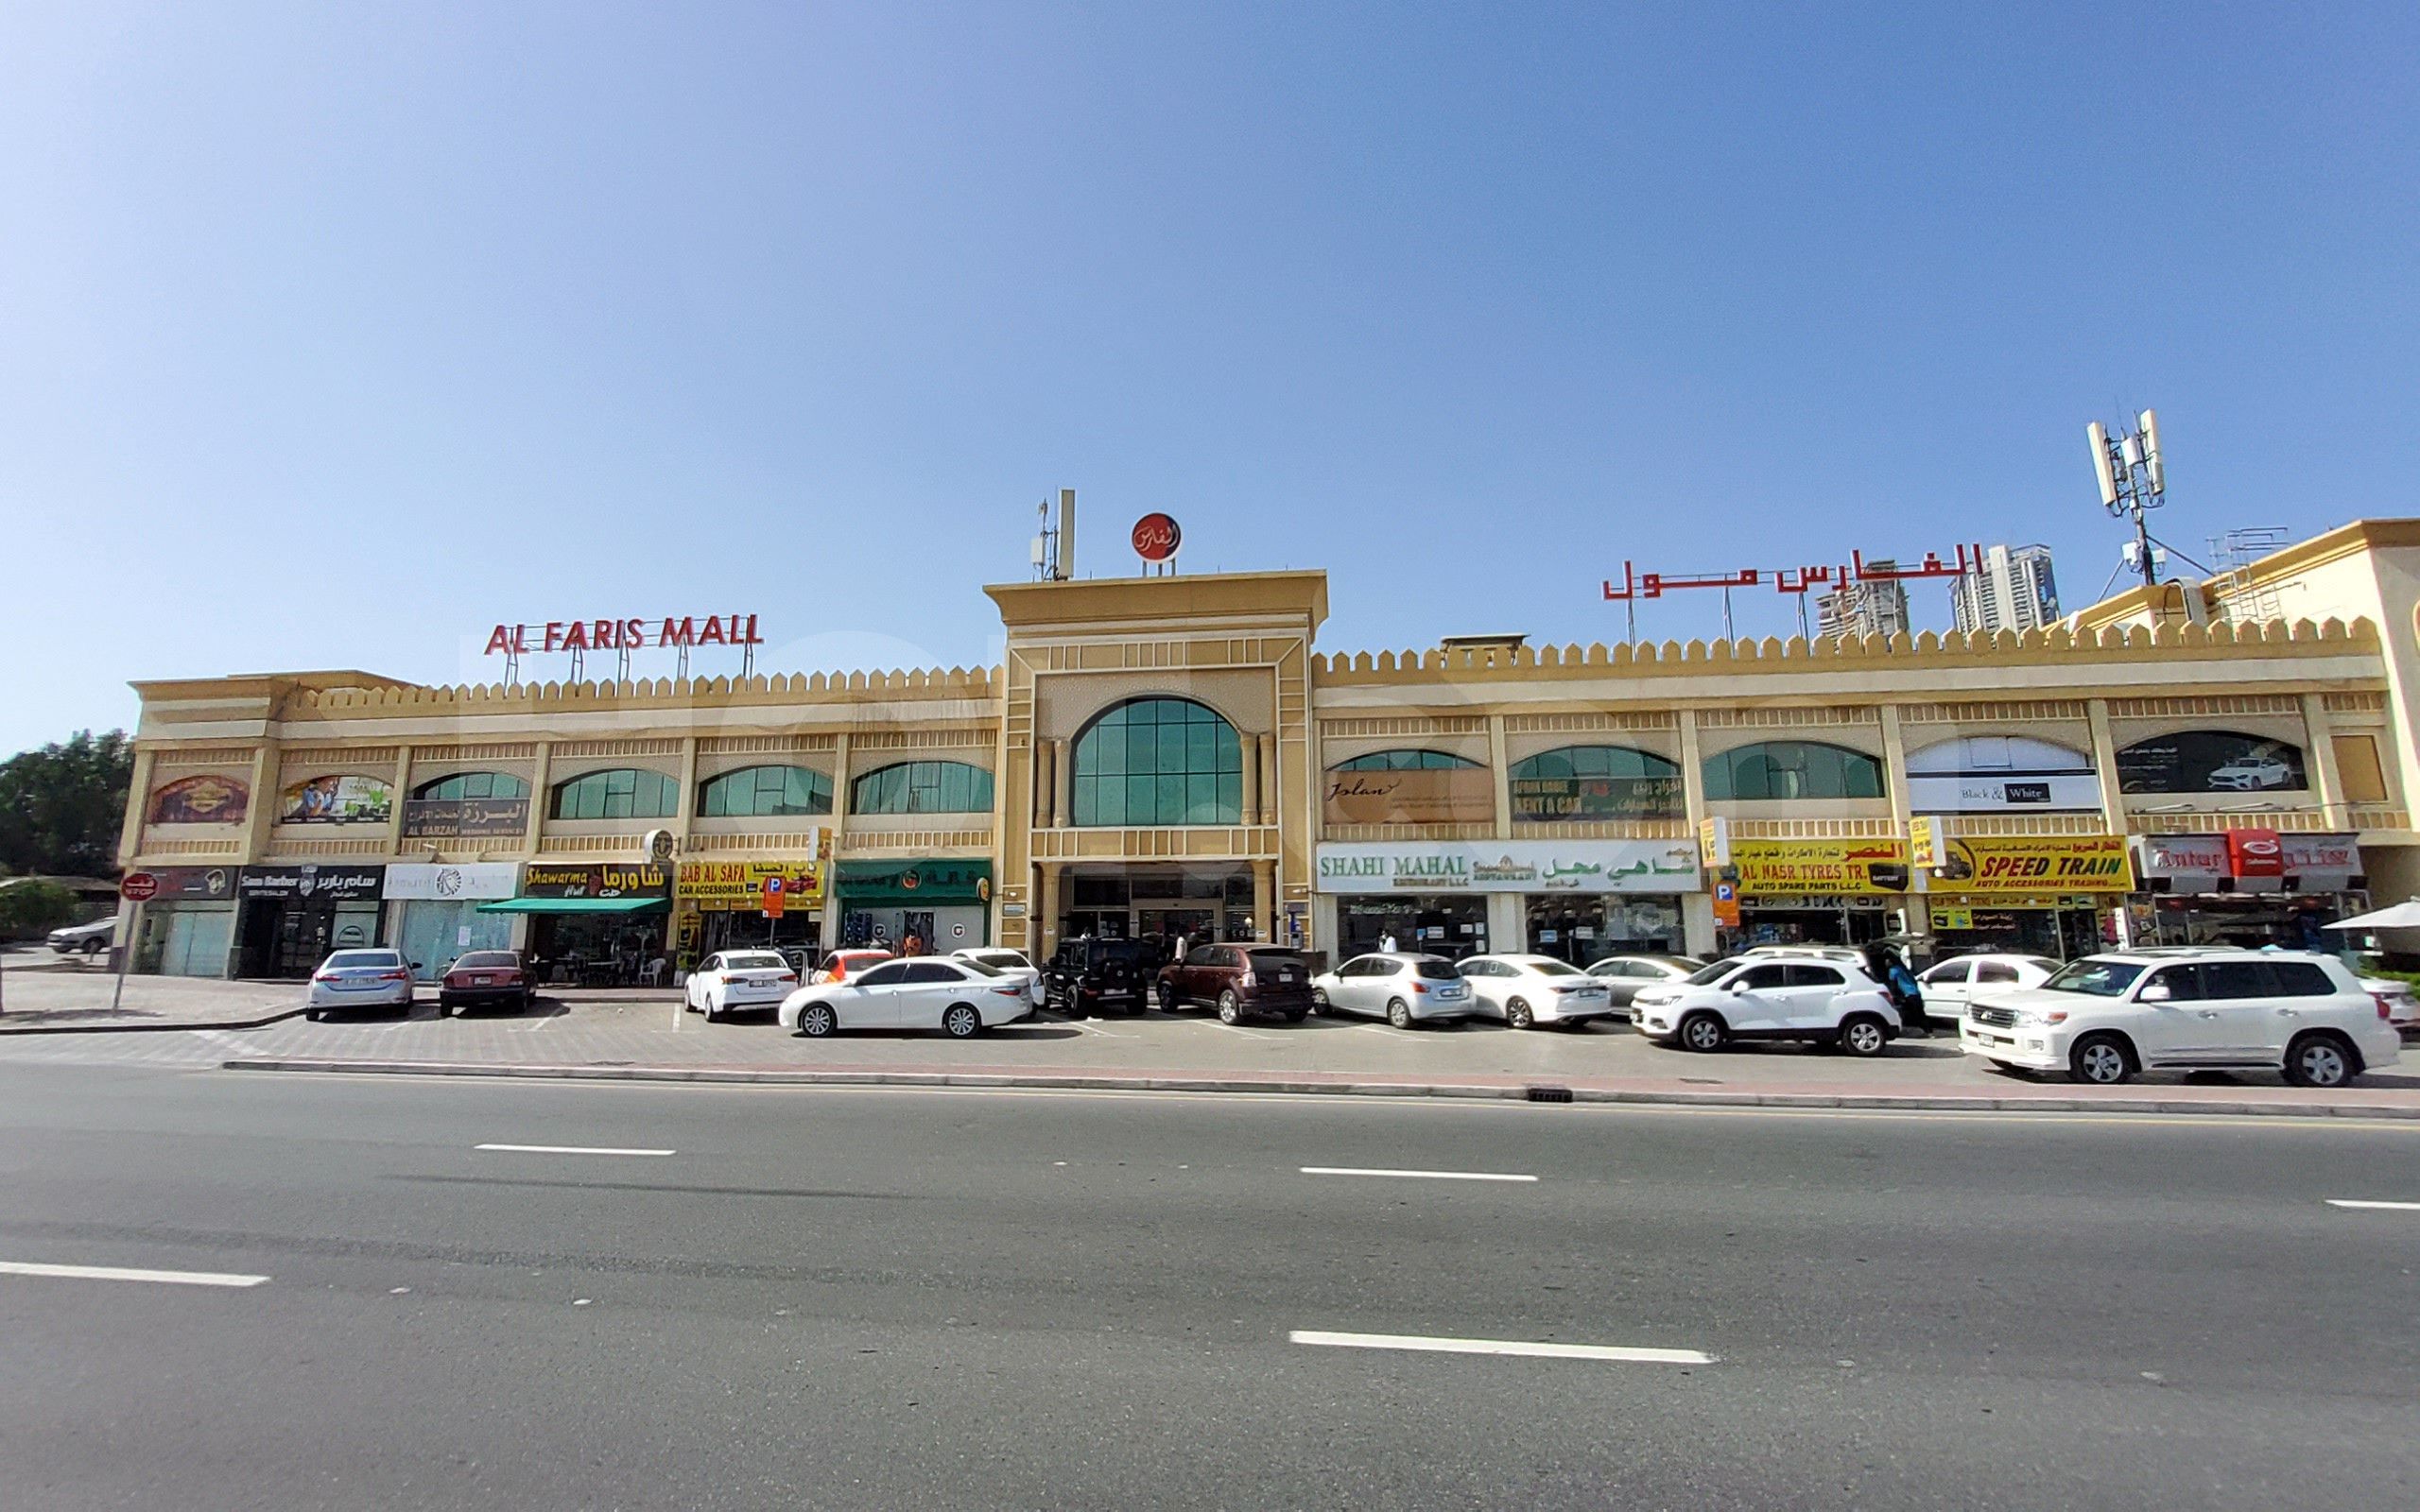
{"x": 2106, "y": 1018}
{"x": 959, "y": 998}
{"x": 1526, "y": 990}
{"x": 732, "y": 980}
{"x": 1770, "y": 997}
{"x": 1403, "y": 988}
{"x": 1953, "y": 984}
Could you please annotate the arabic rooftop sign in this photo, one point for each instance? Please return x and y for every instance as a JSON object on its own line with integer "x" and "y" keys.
{"x": 1510, "y": 865}
{"x": 1636, "y": 584}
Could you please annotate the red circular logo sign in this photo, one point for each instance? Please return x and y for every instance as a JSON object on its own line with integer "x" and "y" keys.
{"x": 139, "y": 886}
{"x": 1156, "y": 536}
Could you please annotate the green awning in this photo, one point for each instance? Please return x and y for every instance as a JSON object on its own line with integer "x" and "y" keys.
{"x": 573, "y": 905}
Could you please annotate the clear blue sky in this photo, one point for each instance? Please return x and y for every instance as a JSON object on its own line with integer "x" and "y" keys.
{"x": 330, "y": 335}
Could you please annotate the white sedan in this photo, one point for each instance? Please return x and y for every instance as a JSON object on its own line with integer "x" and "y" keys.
{"x": 1527, "y": 990}
{"x": 731, "y": 980}
{"x": 361, "y": 979}
{"x": 1009, "y": 963}
{"x": 1949, "y": 986}
{"x": 959, "y": 998}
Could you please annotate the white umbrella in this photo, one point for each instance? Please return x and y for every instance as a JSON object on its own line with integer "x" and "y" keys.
{"x": 2405, "y": 915}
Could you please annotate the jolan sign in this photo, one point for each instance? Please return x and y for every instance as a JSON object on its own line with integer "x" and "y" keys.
{"x": 637, "y": 634}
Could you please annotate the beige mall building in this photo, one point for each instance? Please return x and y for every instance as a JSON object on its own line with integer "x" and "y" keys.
{"x": 1180, "y": 755}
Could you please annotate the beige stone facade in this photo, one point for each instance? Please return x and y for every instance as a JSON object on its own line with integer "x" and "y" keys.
{"x": 2319, "y": 700}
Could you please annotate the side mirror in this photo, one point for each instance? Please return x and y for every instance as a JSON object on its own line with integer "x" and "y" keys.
{"x": 2157, "y": 993}
{"x": 1737, "y": 987}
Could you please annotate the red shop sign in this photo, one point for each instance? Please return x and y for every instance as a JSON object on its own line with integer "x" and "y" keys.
{"x": 1156, "y": 536}
{"x": 2256, "y": 853}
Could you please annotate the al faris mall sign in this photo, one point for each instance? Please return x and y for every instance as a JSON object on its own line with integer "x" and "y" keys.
{"x": 639, "y": 634}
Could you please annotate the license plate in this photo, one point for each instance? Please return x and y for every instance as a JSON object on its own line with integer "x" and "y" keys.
{"x": 482, "y": 981}
{"x": 1994, "y": 1038}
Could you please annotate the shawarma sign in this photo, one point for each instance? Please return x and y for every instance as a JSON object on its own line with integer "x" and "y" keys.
{"x": 1510, "y": 865}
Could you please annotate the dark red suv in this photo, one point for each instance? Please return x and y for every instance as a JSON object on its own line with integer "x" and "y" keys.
{"x": 1239, "y": 979}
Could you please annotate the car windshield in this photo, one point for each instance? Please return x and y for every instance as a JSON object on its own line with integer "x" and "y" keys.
{"x": 1432, "y": 969}
{"x": 754, "y": 961}
{"x": 478, "y": 959}
{"x": 2041, "y": 964}
{"x": 1708, "y": 975}
{"x": 2100, "y": 979}
{"x": 357, "y": 960}
{"x": 1274, "y": 960}
{"x": 1549, "y": 966}
{"x": 1000, "y": 958}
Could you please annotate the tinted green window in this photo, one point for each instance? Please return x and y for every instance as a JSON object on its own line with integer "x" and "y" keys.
{"x": 1159, "y": 762}
{"x": 1791, "y": 769}
{"x": 1402, "y": 761}
{"x": 1595, "y": 782}
{"x": 472, "y": 785}
{"x": 623, "y": 794}
{"x": 766, "y": 792}
{"x": 922, "y": 787}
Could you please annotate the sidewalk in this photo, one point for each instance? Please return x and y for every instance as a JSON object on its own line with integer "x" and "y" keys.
{"x": 52, "y": 996}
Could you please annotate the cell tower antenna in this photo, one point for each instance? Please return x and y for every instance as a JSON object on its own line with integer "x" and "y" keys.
{"x": 2134, "y": 480}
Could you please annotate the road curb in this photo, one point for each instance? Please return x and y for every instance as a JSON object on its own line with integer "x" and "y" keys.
{"x": 181, "y": 1027}
{"x": 1282, "y": 1086}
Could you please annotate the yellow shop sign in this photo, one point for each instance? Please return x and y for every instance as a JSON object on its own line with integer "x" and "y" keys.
{"x": 2025, "y": 862}
{"x": 1842, "y": 867}
{"x": 717, "y": 886}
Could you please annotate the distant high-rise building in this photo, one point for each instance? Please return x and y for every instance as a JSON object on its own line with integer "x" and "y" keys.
{"x": 2012, "y": 592}
{"x": 1861, "y": 607}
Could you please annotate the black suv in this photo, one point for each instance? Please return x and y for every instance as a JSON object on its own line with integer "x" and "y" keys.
{"x": 1092, "y": 975}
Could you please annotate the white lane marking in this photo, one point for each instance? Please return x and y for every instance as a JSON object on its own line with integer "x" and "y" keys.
{"x": 220, "y": 1037}
{"x": 1545, "y": 1351}
{"x": 1090, "y": 1027}
{"x": 1248, "y": 1034}
{"x": 2388, "y": 1207}
{"x": 120, "y": 1273}
{"x": 1388, "y": 1028}
{"x": 1425, "y": 1175}
{"x": 566, "y": 1149}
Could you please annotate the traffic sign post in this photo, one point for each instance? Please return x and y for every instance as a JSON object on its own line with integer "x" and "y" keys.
{"x": 136, "y": 887}
{"x": 773, "y": 897}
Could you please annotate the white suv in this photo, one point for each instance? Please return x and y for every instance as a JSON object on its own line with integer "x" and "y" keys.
{"x": 1804, "y": 996}
{"x": 2105, "y": 1017}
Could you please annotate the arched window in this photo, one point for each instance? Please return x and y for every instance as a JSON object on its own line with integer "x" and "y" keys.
{"x": 471, "y": 785}
{"x": 625, "y": 793}
{"x": 2210, "y": 761}
{"x": 922, "y": 787}
{"x": 1404, "y": 760}
{"x": 758, "y": 792}
{"x": 1790, "y": 770}
{"x": 1159, "y": 761}
{"x": 1595, "y": 782}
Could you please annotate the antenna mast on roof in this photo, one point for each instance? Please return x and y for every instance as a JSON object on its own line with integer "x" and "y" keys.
{"x": 2134, "y": 480}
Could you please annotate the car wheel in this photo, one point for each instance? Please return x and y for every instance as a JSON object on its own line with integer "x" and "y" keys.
{"x": 444, "y": 1010}
{"x": 1864, "y": 1035}
{"x": 1296, "y": 1015}
{"x": 94, "y": 947}
{"x": 711, "y": 1011}
{"x": 961, "y": 1022}
{"x": 817, "y": 1019}
{"x": 1399, "y": 1014}
{"x": 310, "y": 1015}
{"x": 1168, "y": 1002}
{"x": 2320, "y": 1059}
{"x": 1518, "y": 1015}
{"x": 1319, "y": 1004}
{"x": 1703, "y": 1031}
{"x": 2102, "y": 1060}
{"x": 1228, "y": 1008}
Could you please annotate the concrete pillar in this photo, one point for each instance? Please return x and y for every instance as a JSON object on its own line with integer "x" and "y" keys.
{"x": 2327, "y": 783}
{"x": 2104, "y": 763}
{"x": 1692, "y": 768}
{"x": 830, "y": 923}
{"x": 263, "y": 811}
{"x": 541, "y": 795}
{"x": 1250, "y": 812}
{"x": 1046, "y": 780}
{"x": 1895, "y": 772}
{"x": 1503, "y": 777}
{"x": 138, "y": 798}
{"x": 1268, "y": 779}
{"x": 687, "y": 807}
{"x": 1508, "y": 922}
{"x": 1264, "y": 898}
{"x": 1045, "y": 926}
{"x": 1061, "y": 785}
{"x": 403, "y": 796}
{"x": 1696, "y": 924}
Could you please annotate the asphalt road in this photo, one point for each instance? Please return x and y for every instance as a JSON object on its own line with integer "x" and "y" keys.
{"x": 888, "y": 1298}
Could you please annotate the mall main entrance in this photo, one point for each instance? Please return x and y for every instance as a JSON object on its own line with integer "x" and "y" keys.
{"x": 1198, "y": 901}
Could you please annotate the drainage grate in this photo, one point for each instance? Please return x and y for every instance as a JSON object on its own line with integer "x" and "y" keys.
{"x": 1550, "y": 1094}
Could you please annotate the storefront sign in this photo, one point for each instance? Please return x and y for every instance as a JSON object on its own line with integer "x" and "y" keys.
{"x": 418, "y": 881}
{"x": 1510, "y": 865}
{"x": 2028, "y": 863}
{"x": 1423, "y": 795}
{"x": 193, "y": 883}
{"x": 2256, "y": 853}
{"x": 310, "y": 883}
{"x": 624, "y": 634}
{"x": 1847, "y": 867}
{"x": 449, "y": 818}
{"x": 721, "y": 887}
{"x": 915, "y": 884}
{"x": 1714, "y": 841}
{"x": 1156, "y": 537}
{"x": 1984, "y": 794}
{"x": 1538, "y": 798}
{"x": 2210, "y": 761}
{"x": 207, "y": 800}
{"x": 598, "y": 880}
{"x": 336, "y": 799}
{"x": 1953, "y": 918}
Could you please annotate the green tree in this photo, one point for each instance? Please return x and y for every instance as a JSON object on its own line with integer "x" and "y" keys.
{"x": 61, "y": 807}
{"x": 30, "y": 906}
